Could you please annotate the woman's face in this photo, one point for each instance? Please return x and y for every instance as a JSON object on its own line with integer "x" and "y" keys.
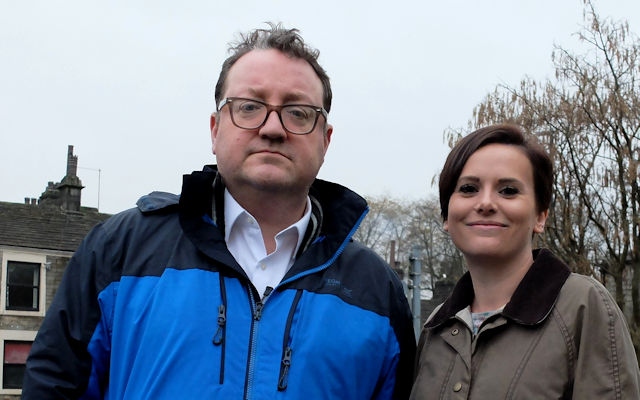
{"x": 492, "y": 211}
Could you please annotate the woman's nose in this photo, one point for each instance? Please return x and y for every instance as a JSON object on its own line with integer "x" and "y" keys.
{"x": 486, "y": 202}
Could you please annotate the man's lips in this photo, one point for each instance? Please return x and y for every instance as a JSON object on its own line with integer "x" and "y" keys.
{"x": 269, "y": 151}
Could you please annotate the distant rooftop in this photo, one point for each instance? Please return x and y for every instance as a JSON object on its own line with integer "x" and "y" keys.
{"x": 51, "y": 228}
{"x": 55, "y": 221}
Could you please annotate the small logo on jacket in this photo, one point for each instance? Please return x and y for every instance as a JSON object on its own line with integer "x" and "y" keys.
{"x": 331, "y": 282}
{"x": 336, "y": 286}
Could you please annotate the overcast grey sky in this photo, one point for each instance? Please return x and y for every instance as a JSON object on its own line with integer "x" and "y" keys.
{"x": 130, "y": 84}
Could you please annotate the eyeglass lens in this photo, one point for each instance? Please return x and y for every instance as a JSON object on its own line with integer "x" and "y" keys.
{"x": 248, "y": 114}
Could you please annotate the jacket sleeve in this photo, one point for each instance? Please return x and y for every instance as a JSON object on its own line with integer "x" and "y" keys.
{"x": 60, "y": 364}
{"x": 606, "y": 364}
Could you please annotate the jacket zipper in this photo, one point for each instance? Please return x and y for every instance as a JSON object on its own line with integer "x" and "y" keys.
{"x": 219, "y": 336}
{"x": 334, "y": 257}
{"x": 256, "y": 307}
{"x": 285, "y": 363}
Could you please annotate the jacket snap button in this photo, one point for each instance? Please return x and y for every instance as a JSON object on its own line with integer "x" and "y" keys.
{"x": 457, "y": 387}
{"x": 455, "y": 332}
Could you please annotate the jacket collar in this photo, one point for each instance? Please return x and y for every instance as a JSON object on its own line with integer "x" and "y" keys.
{"x": 217, "y": 212}
{"x": 336, "y": 211}
{"x": 532, "y": 300}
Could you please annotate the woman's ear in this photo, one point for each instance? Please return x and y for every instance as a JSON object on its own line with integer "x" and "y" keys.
{"x": 540, "y": 221}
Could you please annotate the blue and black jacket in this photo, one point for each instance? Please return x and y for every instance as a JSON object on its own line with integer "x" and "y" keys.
{"x": 153, "y": 306}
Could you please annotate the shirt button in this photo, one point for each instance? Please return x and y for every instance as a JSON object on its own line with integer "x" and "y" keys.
{"x": 457, "y": 387}
{"x": 263, "y": 266}
{"x": 455, "y": 331}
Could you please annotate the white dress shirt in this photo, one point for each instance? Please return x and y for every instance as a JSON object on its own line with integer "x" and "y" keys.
{"x": 244, "y": 240}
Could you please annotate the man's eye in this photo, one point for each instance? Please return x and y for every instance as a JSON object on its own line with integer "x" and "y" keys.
{"x": 297, "y": 112}
{"x": 467, "y": 188}
{"x": 249, "y": 107}
{"x": 509, "y": 191}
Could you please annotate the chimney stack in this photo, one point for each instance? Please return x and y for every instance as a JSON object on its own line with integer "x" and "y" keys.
{"x": 72, "y": 162}
{"x": 65, "y": 194}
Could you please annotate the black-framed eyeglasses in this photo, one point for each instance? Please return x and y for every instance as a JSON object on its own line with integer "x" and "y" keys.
{"x": 299, "y": 119}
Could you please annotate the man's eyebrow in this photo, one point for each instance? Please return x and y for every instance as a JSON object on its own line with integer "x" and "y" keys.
{"x": 296, "y": 98}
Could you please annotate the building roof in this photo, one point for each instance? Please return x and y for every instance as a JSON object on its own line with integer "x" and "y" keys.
{"x": 42, "y": 227}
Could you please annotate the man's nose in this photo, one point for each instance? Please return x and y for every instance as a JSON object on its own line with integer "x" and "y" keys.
{"x": 272, "y": 127}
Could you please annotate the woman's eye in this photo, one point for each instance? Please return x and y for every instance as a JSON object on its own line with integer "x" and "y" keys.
{"x": 467, "y": 188}
{"x": 509, "y": 191}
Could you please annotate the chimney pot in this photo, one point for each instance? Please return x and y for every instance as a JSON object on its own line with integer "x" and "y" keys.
{"x": 72, "y": 162}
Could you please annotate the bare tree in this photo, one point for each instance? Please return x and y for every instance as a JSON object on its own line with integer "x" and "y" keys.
{"x": 409, "y": 225}
{"x": 441, "y": 260}
{"x": 385, "y": 223}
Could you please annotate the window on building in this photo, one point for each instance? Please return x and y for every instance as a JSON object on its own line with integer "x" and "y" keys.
{"x": 14, "y": 361}
{"x": 23, "y": 286}
{"x": 23, "y": 283}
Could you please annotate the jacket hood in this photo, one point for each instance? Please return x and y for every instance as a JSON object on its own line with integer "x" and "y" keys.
{"x": 337, "y": 213}
{"x": 342, "y": 208}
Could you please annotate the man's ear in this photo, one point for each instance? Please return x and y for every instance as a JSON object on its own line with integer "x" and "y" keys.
{"x": 214, "y": 131}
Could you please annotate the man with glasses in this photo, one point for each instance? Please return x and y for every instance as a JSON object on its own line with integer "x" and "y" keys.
{"x": 246, "y": 286}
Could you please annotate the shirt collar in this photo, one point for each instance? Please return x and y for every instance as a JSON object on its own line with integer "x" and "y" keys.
{"x": 233, "y": 211}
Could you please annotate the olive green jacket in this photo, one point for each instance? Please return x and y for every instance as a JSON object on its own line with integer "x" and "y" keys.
{"x": 561, "y": 336}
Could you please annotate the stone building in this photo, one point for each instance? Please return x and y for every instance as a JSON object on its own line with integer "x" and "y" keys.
{"x": 37, "y": 239}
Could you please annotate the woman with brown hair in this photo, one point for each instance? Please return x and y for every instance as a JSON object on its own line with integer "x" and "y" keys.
{"x": 518, "y": 324}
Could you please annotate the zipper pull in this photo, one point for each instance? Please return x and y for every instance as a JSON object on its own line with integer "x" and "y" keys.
{"x": 260, "y": 304}
{"x": 284, "y": 369}
{"x": 222, "y": 320}
{"x": 258, "y": 314}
